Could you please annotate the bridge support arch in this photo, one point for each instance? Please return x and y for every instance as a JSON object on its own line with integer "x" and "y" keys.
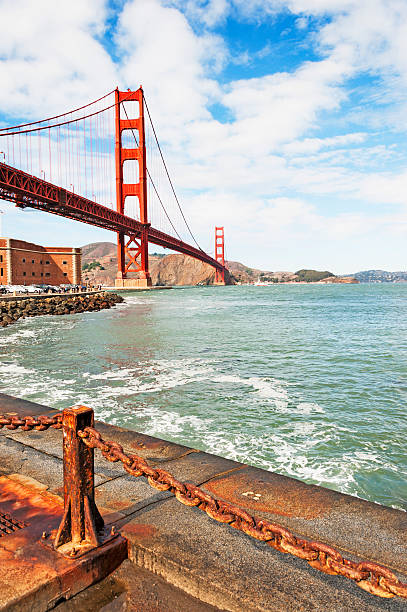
{"x": 132, "y": 250}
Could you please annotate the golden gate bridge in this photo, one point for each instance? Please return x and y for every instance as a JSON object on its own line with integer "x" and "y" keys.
{"x": 102, "y": 164}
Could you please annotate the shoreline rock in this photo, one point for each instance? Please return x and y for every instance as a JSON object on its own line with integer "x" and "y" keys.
{"x": 13, "y": 310}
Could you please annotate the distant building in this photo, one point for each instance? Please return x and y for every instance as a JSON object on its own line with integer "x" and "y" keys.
{"x": 24, "y": 263}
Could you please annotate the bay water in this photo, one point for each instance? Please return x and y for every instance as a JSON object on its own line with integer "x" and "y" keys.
{"x": 305, "y": 380}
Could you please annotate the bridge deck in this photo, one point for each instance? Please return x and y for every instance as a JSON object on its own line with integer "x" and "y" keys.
{"x": 27, "y": 190}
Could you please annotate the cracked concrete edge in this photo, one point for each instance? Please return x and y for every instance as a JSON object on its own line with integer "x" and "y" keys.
{"x": 188, "y": 581}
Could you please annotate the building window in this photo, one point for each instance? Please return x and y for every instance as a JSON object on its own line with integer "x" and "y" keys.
{"x": 47, "y": 262}
{"x": 65, "y": 273}
{"x": 24, "y": 273}
{"x": 64, "y": 263}
{"x": 47, "y": 274}
{"x": 42, "y": 273}
{"x": 33, "y": 261}
{"x": 1, "y": 257}
{"x": 41, "y": 261}
{"x": 33, "y": 274}
{"x": 1, "y": 271}
{"x": 23, "y": 259}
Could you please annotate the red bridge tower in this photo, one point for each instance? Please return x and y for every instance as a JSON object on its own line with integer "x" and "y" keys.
{"x": 220, "y": 255}
{"x": 132, "y": 250}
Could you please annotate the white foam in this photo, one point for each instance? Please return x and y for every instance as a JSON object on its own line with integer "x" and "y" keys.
{"x": 274, "y": 390}
{"x": 156, "y": 377}
{"x": 14, "y": 370}
{"x": 122, "y": 374}
{"x": 308, "y": 408}
{"x": 291, "y": 449}
{"x": 304, "y": 428}
{"x": 266, "y": 388}
{"x": 17, "y": 336}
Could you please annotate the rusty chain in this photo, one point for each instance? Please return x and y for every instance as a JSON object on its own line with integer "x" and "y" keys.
{"x": 369, "y": 576}
{"x": 27, "y": 423}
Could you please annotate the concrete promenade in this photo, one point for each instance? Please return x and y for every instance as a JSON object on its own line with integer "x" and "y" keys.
{"x": 137, "y": 289}
{"x": 180, "y": 559}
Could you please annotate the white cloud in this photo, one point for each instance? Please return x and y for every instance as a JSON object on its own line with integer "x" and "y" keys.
{"x": 312, "y": 145}
{"x": 51, "y": 60}
{"x": 208, "y": 12}
{"x": 269, "y": 173}
{"x": 274, "y": 109}
{"x": 161, "y": 50}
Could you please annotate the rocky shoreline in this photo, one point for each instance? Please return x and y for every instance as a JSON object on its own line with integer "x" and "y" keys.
{"x": 13, "y": 310}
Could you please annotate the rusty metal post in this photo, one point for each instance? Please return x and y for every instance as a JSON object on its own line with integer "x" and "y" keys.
{"x": 78, "y": 531}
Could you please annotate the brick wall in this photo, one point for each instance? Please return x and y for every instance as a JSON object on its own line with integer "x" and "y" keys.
{"x": 3, "y": 262}
{"x": 25, "y": 263}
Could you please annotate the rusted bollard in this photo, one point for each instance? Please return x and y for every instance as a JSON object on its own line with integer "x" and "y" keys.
{"x": 81, "y": 528}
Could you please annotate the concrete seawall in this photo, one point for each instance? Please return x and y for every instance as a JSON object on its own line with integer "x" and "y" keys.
{"x": 178, "y": 553}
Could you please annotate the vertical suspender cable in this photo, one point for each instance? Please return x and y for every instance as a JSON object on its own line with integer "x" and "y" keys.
{"x": 168, "y": 175}
{"x": 50, "y": 157}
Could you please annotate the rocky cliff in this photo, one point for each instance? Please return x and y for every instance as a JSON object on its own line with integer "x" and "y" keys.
{"x": 178, "y": 269}
{"x": 100, "y": 262}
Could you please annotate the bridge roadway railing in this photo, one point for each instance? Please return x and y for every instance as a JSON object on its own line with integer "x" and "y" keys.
{"x": 343, "y": 523}
{"x": 26, "y": 190}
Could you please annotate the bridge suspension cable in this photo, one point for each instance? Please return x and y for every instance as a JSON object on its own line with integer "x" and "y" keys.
{"x": 57, "y": 155}
{"x": 168, "y": 175}
{"x": 67, "y": 164}
{"x": 62, "y": 123}
{"x": 14, "y": 127}
{"x": 152, "y": 182}
{"x": 78, "y": 151}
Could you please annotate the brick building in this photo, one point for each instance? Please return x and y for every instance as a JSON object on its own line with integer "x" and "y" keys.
{"x": 24, "y": 263}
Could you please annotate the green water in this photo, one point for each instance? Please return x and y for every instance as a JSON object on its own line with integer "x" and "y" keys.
{"x": 309, "y": 381}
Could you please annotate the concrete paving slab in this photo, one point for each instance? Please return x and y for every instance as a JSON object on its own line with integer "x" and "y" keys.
{"x": 131, "y": 588}
{"x": 318, "y": 513}
{"x": 14, "y": 405}
{"x": 226, "y": 568}
{"x": 12, "y": 456}
{"x": 27, "y": 461}
{"x": 50, "y": 442}
{"x": 148, "y": 447}
{"x": 51, "y": 439}
{"x": 129, "y": 494}
{"x": 198, "y": 467}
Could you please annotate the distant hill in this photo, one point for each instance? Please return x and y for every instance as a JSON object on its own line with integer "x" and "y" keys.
{"x": 104, "y": 254}
{"x": 99, "y": 266}
{"x": 313, "y": 276}
{"x": 243, "y": 274}
{"x": 380, "y": 276}
{"x": 97, "y": 250}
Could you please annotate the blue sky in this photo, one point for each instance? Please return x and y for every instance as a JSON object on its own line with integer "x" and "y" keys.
{"x": 283, "y": 120}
